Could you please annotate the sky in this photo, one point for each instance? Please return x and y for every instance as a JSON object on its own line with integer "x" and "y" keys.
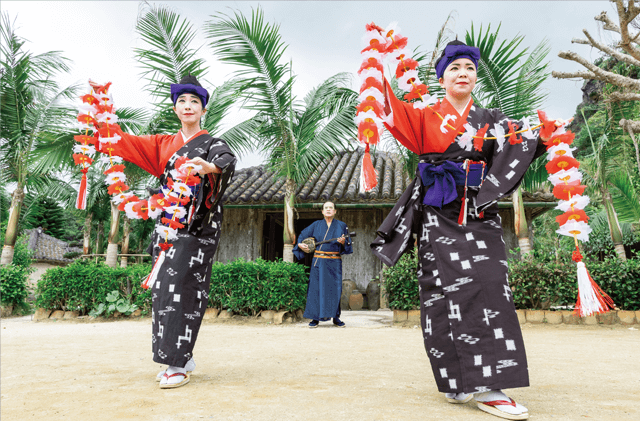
{"x": 324, "y": 38}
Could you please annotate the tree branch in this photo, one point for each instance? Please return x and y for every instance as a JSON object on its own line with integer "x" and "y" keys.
{"x": 606, "y": 49}
{"x": 580, "y": 41}
{"x": 609, "y": 77}
{"x": 608, "y": 23}
{"x": 630, "y": 125}
{"x": 624, "y": 96}
{"x": 573, "y": 75}
{"x": 626, "y": 16}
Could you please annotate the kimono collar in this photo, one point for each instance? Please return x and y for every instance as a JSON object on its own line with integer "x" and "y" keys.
{"x": 185, "y": 140}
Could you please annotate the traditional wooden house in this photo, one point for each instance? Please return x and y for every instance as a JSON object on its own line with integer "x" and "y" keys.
{"x": 254, "y": 218}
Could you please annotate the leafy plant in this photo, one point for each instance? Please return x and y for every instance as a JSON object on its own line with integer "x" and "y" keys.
{"x": 114, "y": 303}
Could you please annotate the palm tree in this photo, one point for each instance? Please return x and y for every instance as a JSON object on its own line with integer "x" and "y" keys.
{"x": 33, "y": 114}
{"x": 510, "y": 79}
{"x": 294, "y": 135}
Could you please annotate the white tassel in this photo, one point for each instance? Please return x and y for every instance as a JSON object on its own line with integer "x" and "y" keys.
{"x": 589, "y": 302}
{"x": 154, "y": 272}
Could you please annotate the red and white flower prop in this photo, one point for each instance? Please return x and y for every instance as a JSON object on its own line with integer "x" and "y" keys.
{"x": 98, "y": 115}
{"x": 566, "y": 178}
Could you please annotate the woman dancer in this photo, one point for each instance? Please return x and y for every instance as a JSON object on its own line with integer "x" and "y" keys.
{"x": 469, "y": 324}
{"x": 181, "y": 289}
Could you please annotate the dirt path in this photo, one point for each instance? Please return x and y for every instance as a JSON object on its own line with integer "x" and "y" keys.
{"x": 103, "y": 371}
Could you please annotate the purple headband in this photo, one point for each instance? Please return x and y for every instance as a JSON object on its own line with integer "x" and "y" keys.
{"x": 454, "y": 52}
{"x": 178, "y": 89}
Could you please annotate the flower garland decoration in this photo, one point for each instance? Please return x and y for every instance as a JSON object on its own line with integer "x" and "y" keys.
{"x": 566, "y": 179}
{"x": 97, "y": 114}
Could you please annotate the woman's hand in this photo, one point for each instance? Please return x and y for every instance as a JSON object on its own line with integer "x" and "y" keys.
{"x": 207, "y": 167}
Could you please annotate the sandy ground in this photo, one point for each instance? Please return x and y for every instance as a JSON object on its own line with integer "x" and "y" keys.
{"x": 251, "y": 371}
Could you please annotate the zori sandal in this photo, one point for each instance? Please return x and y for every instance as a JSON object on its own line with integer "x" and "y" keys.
{"x": 459, "y": 397}
{"x": 165, "y": 385}
{"x": 509, "y": 410}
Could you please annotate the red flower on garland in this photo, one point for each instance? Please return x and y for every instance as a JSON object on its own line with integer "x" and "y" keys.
{"x": 89, "y": 99}
{"x": 399, "y": 42}
{"x": 132, "y": 198}
{"x": 85, "y": 139}
{"x": 165, "y": 246}
{"x": 368, "y": 132}
{"x": 478, "y": 139}
{"x": 376, "y": 46}
{"x": 175, "y": 200}
{"x": 577, "y": 215}
{"x": 158, "y": 201}
{"x": 193, "y": 180}
{"x": 561, "y": 162}
{"x": 102, "y": 89}
{"x": 548, "y": 126}
{"x": 86, "y": 119}
{"x": 513, "y": 138}
{"x": 369, "y": 65}
{"x": 104, "y": 108}
{"x": 172, "y": 224}
{"x": 563, "y": 138}
{"x": 416, "y": 92}
{"x": 81, "y": 159}
{"x": 115, "y": 168}
{"x": 566, "y": 191}
{"x": 405, "y": 65}
{"x": 142, "y": 209}
{"x": 367, "y": 105}
{"x": 108, "y": 130}
{"x": 117, "y": 187}
{"x": 371, "y": 82}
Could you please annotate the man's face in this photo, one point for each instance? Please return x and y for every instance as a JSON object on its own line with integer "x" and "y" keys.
{"x": 328, "y": 210}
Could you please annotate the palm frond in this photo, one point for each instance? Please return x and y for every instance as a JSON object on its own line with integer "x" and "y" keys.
{"x": 169, "y": 55}
{"x": 626, "y": 199}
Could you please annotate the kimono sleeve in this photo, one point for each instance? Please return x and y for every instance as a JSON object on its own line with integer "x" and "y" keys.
{"x": 510, "y": 158}
{"x": 222, "y": 157}
{"x": 143, "y": 151}
{"x": 405, "y": 122}
{"x": 304, "y": 234}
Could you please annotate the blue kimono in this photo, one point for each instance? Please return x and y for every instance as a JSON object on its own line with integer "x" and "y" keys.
{"x": 325, "y": 281}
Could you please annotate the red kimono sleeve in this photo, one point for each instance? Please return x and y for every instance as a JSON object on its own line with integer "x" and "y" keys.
{"x": 144, "y": 151}
{"x": 407, "y": 121}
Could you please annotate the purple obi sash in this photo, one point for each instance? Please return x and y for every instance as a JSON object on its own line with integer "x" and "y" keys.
{"x": 441, "y": 180}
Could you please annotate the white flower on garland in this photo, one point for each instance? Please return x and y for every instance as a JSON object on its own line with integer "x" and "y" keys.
{"x": 377, "y": 55}
{"x": 107, "y": 160}
{"x": 445, "y": 121}
{"x": 128, "y": 209}
{"x": 179, "y": 211}
{"x": 107, "y": 118}
{"x": 394, "y": 56}
{"x": 528, "y": 133}
{"x": 83, "y": 127}
{"x": 84, "y": 149}
{"x": 403, "y": 81}
{"x": 113, "y": 139}
{"x": 371, "y": 35}
{"x": 580, "y": 228}
{"x": 561, "y": 149}
{"x": 578, "y": 201}
{"x": 367, "y": 73}
{"x": 373, "y": 92}
{"x": 181, "y": 189}
{"x": 105, "y": 99}
{"x": 388, "y": 119}
{"x": 189, "y": 166}
{"x": 153, "y": 213}
{"x": 114, "y": 177}
{"x": 466, "y": 139}
{"x": 567, "y": 176}
{"x": 498, "y": 133}
{"x": 426, "y": 101}
{"x": 362, "y": 116}
{"x": 120, "y": 197}
{"x": 87, "y": 108}
{"x": 166, "y": 233}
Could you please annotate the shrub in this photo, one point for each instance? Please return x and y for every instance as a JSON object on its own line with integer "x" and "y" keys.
{"x": 249, "y": 287}
{"x": 13, "y": 278}
{"x": 240, "y": 286}
{"x": 536, "y": 284}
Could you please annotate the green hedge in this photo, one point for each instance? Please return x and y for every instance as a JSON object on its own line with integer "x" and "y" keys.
{"x": 243, "y": 287}
{"x": 536, "y": 284}
{"x": 13, "y": 278}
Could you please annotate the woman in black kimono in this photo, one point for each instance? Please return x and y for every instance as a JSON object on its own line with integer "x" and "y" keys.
{"x": 181, "y": 290}
{"x": 469, "y": 324}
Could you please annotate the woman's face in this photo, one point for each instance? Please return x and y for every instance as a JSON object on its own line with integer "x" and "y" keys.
{"x": 459, "y": 78}
{"x": 188, "y": 108}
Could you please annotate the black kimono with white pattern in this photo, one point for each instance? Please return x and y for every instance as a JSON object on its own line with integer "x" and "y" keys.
{"x": 181, "y": 291}
{"x": 470, "y": 327}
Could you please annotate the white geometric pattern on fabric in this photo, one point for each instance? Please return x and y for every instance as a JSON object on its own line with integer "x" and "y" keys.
{"x": 172, "y": 287}
{"x": 160, "y": 330}
{"x": 446, "y": 240}
{"x": 453, "y": 384}
{"x": 468, "y": 339}
{"x": 510, "y": 175}
{"x": 430, "y": 301}
{"x": 459, "y": 281}
{"x": 469, "y": 236}
{"x": 454, "y": 256}
{"x": 427, "y": 323}
{"x": 186, "y": 337}
{"x": 480, "y": 258}
{"x": 176, "y": 298}
{"x": 514, "y": 163}
{"x": 486, "y": 371}
{"x": 507, "y": 292}
{"x": 455, "y": 311}
{"x": 488, "y": 314}
{"x": 443, "y": 373}
{"x": 199, "y": 258}
{"x": 511, "y": 345}
{"x": 498, "y": 333}
{"x": 465, "y": 265}
{"x": 436, "y": 353}
{"x": 481, "y": 244}
{"x": 477, "y": 360}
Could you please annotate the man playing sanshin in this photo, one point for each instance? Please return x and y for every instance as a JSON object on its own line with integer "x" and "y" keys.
{"x": 469, "y": 324}
{"x": 180, "y": 293}
{"x": 325, "y": 280}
